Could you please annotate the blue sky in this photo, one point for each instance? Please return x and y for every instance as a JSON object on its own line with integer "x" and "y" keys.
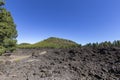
{"x": 82, "y": 21}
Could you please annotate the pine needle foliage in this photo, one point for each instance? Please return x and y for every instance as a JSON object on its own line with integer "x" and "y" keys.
{"x": 8, "y": 32}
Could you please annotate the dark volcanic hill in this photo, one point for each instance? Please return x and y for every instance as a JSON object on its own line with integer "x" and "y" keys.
{"x": 61, "y": 64}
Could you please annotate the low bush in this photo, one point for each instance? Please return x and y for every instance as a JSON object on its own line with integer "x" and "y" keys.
{"x": 2, "y": 50}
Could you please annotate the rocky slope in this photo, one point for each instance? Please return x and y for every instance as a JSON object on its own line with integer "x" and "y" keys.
{"x": 61, "y": 64}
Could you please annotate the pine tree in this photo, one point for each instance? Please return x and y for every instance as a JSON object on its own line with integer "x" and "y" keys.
{"x": 8, "y": 32}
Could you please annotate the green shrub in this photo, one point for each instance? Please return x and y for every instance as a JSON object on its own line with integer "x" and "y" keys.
{"x": 2, "y": 50}
{"x": 9, "y": 44}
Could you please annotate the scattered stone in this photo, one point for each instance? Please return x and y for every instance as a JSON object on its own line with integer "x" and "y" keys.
{"x": 61, "y": 64}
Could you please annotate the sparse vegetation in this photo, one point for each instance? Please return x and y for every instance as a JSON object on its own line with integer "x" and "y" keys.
{"x": 24, "y": 45}
{"x": 51, "y": 42}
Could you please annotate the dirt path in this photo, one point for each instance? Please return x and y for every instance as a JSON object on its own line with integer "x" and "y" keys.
{"x": 18, "y": 58}
{"x": 15, "y": 58}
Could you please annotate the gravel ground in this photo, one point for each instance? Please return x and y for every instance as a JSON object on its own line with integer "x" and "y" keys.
{"x": 61, "y": 64}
